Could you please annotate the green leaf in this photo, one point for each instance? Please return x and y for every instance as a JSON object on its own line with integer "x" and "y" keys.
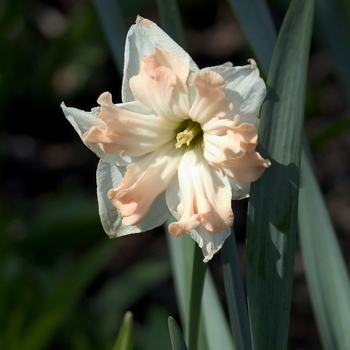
{"x": 256, "y": 22}
{"x": 112, "y": 23}
{"x": 214, "y": 320}
{"x": 271, "y": 229}
{"x": 124, "y": 339}
{"x": 189, "y": 272}
{"x": 236, "y": 298}
{"x": 177, "y": 340}
{"x": 214, "y": 331}
{"x": 181, "y": 256}
{"x": 171, "y": 20}
{"x": 326, "y": 272}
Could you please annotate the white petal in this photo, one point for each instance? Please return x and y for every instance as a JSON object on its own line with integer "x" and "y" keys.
{"x": 244, "y": 88}
{"x": 240, "y": 190}
{"x": 142, "y": 39}
{"x": 82, "y": 122}
{"x": 209, "y": 242}
{"x": 110, "y": 176}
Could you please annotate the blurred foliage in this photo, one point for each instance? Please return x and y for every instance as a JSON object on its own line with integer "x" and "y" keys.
{"x": 63, "y": 284}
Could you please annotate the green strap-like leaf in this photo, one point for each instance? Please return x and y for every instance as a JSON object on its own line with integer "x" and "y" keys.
{"x": 214, "y": 320}
{"x": 181, "y": 255}
{"x": 256, "y": 21}
{"x": 189, "y": 273}
{"x": 124, "y": 340}
{"x": 272, "y": 213}
{"x": 214, "y": 333}
{"x": 176, "y": 337}
{"x": 171, "y": 20}
{"x": 112, "y": 23}
{"x": 326, "y": 273}
{"x": 235, "y": 294}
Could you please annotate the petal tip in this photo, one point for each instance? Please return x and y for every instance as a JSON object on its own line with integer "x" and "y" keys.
{"x": 254, "y": 66}
{"x": 175, "y": 229}
{"x": 105, "y": 97}
{"x": 143, "y": 21}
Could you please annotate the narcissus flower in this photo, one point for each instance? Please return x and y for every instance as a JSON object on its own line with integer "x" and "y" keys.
{"x": 182, "y": 142}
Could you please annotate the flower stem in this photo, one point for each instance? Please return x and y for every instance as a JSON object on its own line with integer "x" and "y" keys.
{"x": 198, "y": 275}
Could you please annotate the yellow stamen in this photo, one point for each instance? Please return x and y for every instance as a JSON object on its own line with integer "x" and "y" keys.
{"x": 186, "y": 136}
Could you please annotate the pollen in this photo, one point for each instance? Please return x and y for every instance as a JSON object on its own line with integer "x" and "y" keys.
{"x": 186, "y": 136}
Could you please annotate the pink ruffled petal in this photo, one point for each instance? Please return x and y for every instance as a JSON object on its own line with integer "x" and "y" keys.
{"x": 247, "y": 168}
{"x": 211, "y": 100}
{"x": 143, "y": 182}
{"x": 234, "y": 154}
{"x": 203, "y": 203}
{"x": 132, "y": 133}
{"x": 161, "y": 85}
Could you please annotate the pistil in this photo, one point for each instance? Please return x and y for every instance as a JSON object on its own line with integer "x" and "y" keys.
{"x": 186, "y": 136}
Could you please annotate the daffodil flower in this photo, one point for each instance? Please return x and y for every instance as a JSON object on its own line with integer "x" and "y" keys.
{"x": 182, "y": 142}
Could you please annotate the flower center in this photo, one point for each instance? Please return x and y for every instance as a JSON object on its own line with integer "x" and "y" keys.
{"x": 186, "y": 136}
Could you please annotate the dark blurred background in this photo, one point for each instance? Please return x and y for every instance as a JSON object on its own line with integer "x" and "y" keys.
{"x": 63, "y": 283}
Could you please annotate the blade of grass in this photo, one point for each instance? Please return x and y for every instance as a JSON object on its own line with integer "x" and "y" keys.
{"x": 124, "y": 340}
{"x": 176, "y": 337}
{"x": 271, "y": 229}
{"x": 236, "y": 299}
{"x": 256, "y": 22}
{"x": 112, "y": 23}
{"x": 326, "y": 273}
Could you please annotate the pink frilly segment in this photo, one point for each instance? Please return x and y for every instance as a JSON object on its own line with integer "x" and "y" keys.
{"x": 210, "y": 101}
{"x": 203, "y": 203}
{"x": 161, "y": 85}
{"x": 143, "y": 182}
{"x": 234, "y": 153}
{"x": 132, "y": 133}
